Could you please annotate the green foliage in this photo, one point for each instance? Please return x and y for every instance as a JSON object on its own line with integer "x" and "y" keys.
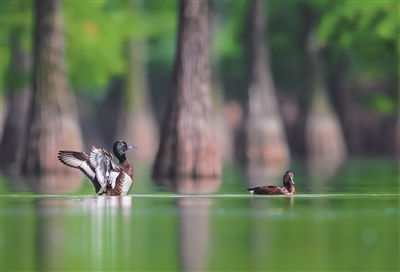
{"x": 227, "y": 24}
{"x": 16, "y": 21}
{"x": 285, "y": 40}
{"x": 228, "y": 45}
{"x": 93, "y": 46}
{"x": 96, "y": 35}
{"x": 382, "y": 103}
{"x": 16, "y": 26}
{"x": 368, "y": 30}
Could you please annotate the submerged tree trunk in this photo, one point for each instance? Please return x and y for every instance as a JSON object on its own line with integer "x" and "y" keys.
{"x": 265, "y": 140}
{"x": 188, "y": 146}
{"x": 324, "y": 138}
{"x": 52, "y": 121}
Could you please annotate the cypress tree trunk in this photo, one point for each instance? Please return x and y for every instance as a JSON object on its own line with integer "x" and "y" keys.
{"x": 265, "y": 140}
{"x": 52, "y": 121}
{"x": 188, "y": 146}
{"x": 139, "y": 126}
{"x": 17, "y": 101}
{"x": 324, "y": 137}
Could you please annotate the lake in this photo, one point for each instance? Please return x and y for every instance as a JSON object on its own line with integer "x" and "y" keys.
{"x": 346, "y": 221}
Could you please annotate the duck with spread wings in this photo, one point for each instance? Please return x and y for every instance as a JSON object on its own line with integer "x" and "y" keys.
{"x": 99, "y": 167}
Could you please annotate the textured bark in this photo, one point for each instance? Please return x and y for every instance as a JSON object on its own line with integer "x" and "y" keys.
{"x": 188, "y": 146}
{"x": 324, "y": 137}
{"x": 52, "y": 121}
{"x": 265, "y": 139}
{"x": 17, "y": 101}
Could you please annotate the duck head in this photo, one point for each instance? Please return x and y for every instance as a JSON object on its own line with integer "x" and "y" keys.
{"x": 288, "y": 178}
{"x": 120, "y": 147}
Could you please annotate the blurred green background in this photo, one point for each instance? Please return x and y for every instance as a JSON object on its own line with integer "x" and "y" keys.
{"x": 359, "y": 48}
{"x": 346, "y": 216}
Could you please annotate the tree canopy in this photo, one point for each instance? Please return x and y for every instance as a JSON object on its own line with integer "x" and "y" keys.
{"x": 96, "y": 34}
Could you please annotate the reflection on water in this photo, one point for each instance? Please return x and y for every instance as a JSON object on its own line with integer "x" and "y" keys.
{"x": 98, "y": 234}
{"x": 49, "y": 235}
{"x": 189, "y": 185}
{"x": 105, "y": 214}
{"x": 193, "y": 232}
{"x": 193, "y": 219}
{"x": 262, "y": 233}
{"x": 354, "y": 230}
{"x": 198, "y": 233}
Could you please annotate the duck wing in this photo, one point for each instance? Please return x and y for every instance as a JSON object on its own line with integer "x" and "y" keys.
{"x": 79, "y": 160}
{"x": 266, "y": 190}
{"x": 102, "y": 162}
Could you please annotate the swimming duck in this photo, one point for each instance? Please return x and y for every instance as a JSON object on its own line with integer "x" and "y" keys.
{"x": 287, "y": 189}
{"x": 99, "y": 167}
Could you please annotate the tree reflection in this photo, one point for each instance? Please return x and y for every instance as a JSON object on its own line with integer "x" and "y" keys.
{"x": 189, "y": 185}
{"x": 193, "y": 220}
{"x": 193, "y": 232}
{"x": 49, "y": 235}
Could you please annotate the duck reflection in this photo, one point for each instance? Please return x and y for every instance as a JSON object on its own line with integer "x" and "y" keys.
{"x": 99, "y": 221}
{"x": 193, "y": 220}
{"x": 104, "y": 229}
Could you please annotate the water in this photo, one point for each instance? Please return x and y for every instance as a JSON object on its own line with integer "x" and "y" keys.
{"x": 349, "y": 221}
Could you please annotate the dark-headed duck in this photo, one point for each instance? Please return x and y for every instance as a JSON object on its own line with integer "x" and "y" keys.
{"x": 99, "y": 167}
{"x": 287, "y": 189}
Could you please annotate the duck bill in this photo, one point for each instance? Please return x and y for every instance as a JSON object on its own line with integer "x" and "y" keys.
{"x": 131, "y": 146}
{"x": 292, "y": 181}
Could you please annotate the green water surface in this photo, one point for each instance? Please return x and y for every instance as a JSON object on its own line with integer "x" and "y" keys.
{"x": 346, "y": 222}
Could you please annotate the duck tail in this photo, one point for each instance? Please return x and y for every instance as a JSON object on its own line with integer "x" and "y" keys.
{"x": 251, "y": 190}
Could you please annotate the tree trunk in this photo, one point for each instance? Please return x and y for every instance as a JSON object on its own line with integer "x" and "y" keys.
{"x": 139, "y": 126}
{"x": 188, "y": 147}
{"x": 324, "y": 138}
{"x": 265, "y": 140}
{"x": 17, "y": 101}
{"x": 52, "y": 121}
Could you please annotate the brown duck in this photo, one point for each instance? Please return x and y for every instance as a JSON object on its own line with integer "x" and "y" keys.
{"x": 287, "y": 189}
{"x": 99, "y": 167}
